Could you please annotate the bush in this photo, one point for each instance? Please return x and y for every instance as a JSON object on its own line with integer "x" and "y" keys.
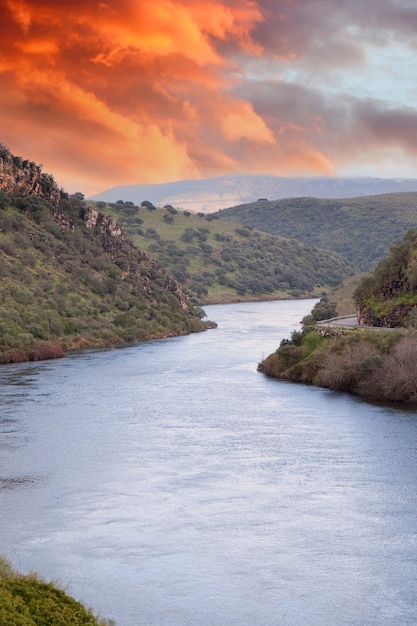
{"x": 343, "y": 370}
{"x": 395, "y": 380}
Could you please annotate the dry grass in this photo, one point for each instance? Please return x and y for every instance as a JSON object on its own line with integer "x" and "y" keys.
{"x": 395, "y": 380}
{"x": 343, "y": 370}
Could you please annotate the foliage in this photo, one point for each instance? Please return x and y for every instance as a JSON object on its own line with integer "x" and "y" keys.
{"x": 65, "y": 285}
{"x": 376, "y": 363}
{"x": 360, "y": 229}
{"x": 388, "y": 297}
{"x": 379, "y": 365}
{"x": 29, "y": 601}
{"x": 219, "y": 261}
{"x": 323, "y": 310}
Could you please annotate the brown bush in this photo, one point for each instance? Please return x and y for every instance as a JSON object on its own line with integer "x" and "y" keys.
{"x": 395, "y": 380}
{"x": 344, "y": 370}
{"x": 45, "y": 350}
{"x": 37, "y": 352}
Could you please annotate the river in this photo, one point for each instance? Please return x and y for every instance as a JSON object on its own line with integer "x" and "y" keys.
{"x": 171, "y": 484}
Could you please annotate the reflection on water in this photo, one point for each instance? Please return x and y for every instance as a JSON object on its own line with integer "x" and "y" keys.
{"x": 169, "y": 483}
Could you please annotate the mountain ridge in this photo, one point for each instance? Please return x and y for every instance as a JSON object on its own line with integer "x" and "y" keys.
{"x": 211, "y": 194}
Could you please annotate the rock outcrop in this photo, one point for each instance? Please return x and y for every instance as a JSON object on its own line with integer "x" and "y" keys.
{"x": 26, "y": 178}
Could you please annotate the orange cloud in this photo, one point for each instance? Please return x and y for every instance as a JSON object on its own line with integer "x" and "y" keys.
{"x": 129, "y": 91}
{"x": 241, "y": 122}
{"x": 117, "y": 81}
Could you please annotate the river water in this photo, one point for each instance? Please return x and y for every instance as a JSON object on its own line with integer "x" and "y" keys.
{"x": 169, "y": 483}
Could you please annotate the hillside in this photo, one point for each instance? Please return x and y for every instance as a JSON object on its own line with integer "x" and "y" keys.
{"x": 360, "y": 229}
{"x": 388, "y": 297}
{"x": 70, "y": 277}
{"x": 217, "y": 261}
{"x": 212, "y": 194}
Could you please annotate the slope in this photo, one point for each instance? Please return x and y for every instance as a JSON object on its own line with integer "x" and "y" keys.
{"x": 71, "y": 278}
{"x": 219, "y": 261}
{"x": 360, "y": 229}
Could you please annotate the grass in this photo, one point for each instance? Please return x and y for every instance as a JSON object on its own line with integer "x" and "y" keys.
{"x": 30, "y": 601}
{"x": 220, "y": 261}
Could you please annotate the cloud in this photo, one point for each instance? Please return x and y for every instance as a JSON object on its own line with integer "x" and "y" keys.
{"x": 129, "y": 91}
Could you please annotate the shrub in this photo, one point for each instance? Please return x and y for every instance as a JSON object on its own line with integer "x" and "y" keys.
{"x": 346, "y": 364}
{"x": 312, "y": 341}
{"x": 395, "y": 380}
{"x": 148, "y": 205}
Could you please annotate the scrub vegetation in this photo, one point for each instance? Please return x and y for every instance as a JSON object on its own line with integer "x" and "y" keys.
{"x": 69, "y": 281}
{"x": 220, "y": 261}
{"x": 29, "y": 601}
{"x": 378, "y": 362}
{"x": 379, "y": 365}
{"x": 360, "y": 229}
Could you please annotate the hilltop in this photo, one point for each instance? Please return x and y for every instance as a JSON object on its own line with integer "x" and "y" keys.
{"x": 70, "y": 276}
{"x": 360, "y": 229}
{"x": 212, "y": 194}
{"x": 219, "y": 261}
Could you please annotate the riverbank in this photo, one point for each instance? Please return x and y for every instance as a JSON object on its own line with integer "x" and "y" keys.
{"x": 379, "y": 366}
{"x": 56, "y": 349}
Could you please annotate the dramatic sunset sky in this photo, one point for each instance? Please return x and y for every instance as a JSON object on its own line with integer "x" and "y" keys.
{"x": 149, "y": 91}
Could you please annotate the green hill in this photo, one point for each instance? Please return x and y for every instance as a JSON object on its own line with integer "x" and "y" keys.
{"x": 360, "y": 229}
{"x": 71, "y": 278}
{"x": 220, "y": 261}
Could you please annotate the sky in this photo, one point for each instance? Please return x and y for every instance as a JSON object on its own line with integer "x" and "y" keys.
{"x": 139, "y": 91}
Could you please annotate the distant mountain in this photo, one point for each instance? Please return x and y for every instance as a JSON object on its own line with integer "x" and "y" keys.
{"x": 211, "y": 194}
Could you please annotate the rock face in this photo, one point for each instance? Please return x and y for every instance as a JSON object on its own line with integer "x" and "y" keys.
{"x": 26, "y": 178}
{"x": 107, "y": 224}
{"x": 398, "y": 316}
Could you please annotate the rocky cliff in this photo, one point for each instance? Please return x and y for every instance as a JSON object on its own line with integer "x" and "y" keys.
{"x": 24, "y": 177}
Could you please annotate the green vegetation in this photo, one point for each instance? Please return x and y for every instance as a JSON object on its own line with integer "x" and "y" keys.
{"x": 217, "y": 261}
{"x": 29, "y": 601}
{"x": 372, "y": 362}
{"x": 388, "y": 297}
{"x": 342, "y": 295}
{"x": 323, "y": 310}
{"x": 379, "y": 365}
{"x": 71, "y": 279}
{"x": 360, "y": 229}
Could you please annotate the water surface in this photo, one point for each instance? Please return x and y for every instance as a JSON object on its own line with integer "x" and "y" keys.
{"x": 169, "y": 483}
